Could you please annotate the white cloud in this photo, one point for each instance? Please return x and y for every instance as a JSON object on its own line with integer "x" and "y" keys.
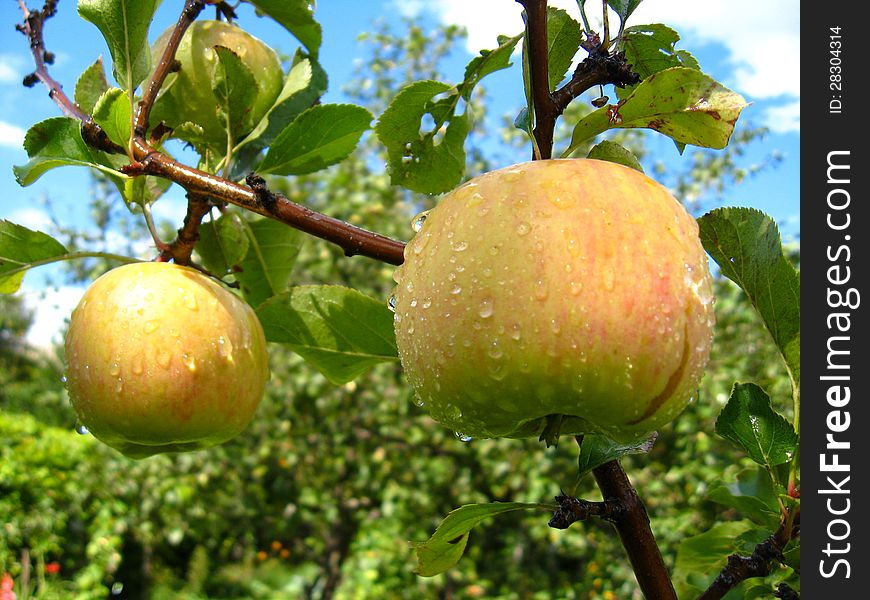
{"x": 784, "y": 118}
{"x": 32, "y": 218}
{"x": 762, "y": 38}
{"x": 7, "y": 73}
{"x": 11, "y": 135}
{"x": 51, "y": 306}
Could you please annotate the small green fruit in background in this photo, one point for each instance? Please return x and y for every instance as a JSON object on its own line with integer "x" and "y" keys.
{"x": 188, "y": 95}
{"x": 563, "y": 287}
{"x": 160, "y": 358}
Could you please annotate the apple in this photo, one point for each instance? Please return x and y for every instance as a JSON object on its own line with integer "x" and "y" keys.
{"x": 161, "y": 358}
{"x": 575, "y": 289}
{"x": 188, "y": 96}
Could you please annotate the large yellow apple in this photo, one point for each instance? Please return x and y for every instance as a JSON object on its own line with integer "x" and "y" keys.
{"x": 160, "y": 358}
{"x": 562, "y": 287}
{"x": 188, "y": 95}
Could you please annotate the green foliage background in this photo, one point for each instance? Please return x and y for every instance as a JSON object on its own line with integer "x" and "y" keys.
{"x": 322, "y": 494}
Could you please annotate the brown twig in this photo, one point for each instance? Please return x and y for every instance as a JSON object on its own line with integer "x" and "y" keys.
{"x": 573, "y": 509}
{"x": 32, "y": 28}
{"x": 632, "y": 524}
{"x": 148, "y": 160}
{"x": 759, "y": 564}
{"x": 181, "y": 248}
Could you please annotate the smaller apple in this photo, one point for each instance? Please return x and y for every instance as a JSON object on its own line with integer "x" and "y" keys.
{"x": 188, "y": 95}
{"x": 161, "y": 358}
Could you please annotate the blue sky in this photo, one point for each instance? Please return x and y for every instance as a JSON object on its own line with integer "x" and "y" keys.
{"x": 750, "y": 46}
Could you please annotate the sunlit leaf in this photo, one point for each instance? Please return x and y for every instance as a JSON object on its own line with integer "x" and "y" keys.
{"x": 297, "y": 17}
{"x": 319, "y": 137}
{"x": 749, "y": 421}
{"x": 447, "y": 544}
{"x": 564, "y": 35}
{"x": 613, "y": 152}
{"x": 421, "y": 159}
{"x": 113, "y": 113}
{"x": 90, "y": 86}
{"x": 20, "y": 247}
{"x": 746, "y": 244}
{"x": 679, "y": 102}
{"x": 272, "y": 250}
{"x": 340, "y": 331}
{"x": 58, "y": 142}
{"x": 124, "y": 25}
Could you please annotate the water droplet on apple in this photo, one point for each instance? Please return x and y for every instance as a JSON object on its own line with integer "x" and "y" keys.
{"x": 486, "y": 308}
{"x": 417, "y": 223}
{"x": 151, "y": 326}
{"x": 81, "y": 429}
{"x": 163, "y": 358}
{"x": 541, "y": 290}
{"x": 523, "y": 228}
{"x": 189, "y": 362}
{"x": 576, "y": 287}
{"x": 456, "y": 289}
{"x": 391, "y": 303}
{"x": 460, "y": 246}
{"x": 115, "y": 369}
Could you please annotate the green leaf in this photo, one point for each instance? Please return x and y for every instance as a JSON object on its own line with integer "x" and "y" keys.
{"x": 701, "y": 557}
{"x": 340, "y": 331}
{"x": 91, "y": 85}
{"x": 749, "y": 421}
{"x": 599, "y": 449}
{"x": 447, "y": 544}
{"x": 679, "y": 102}
{"x": 303, "y": 86}
{"x": 613, "y": 152}
{"x": 753, "y": 494}
{"x": 319, "y": 137}
{"x": 429, "y": 162}
{"x": 746, "y": 245}
{"x": 57, "y": 142}
{"x": 20, "y": 247}
{"x": 124, "y": 25}
{"x": 652, "y": 48}
{"x": 296, "y": 17}
{"x": 141, "y": 190}
{"x": 624, "y": 8}
{"x": 223, "y": 243}
{"x": 234, "y": 88}
{"x": 563, "y": 40}
{"x": 488, "y": 62}
{"x": 113, "y": 113}
{"x": 272, "y": 251}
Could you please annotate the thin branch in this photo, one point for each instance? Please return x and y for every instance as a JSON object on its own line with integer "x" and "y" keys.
{"x": 32, "y": 28}
{"x": 759, "y": 564}
{"x": 572, "y": 510}
{"x": 182, "y": 247}
{"x": 167, "y": 65}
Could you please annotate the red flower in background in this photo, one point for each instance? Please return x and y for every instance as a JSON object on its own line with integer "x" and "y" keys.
{"x": 52, "y": 568}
